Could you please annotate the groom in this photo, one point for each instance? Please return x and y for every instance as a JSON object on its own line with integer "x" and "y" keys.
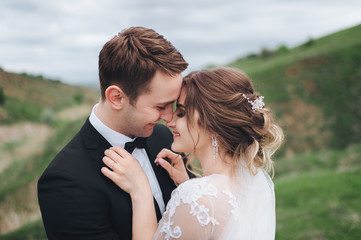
{"x": 140, "y": 78}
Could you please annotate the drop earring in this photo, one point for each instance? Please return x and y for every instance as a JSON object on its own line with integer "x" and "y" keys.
{"x": 214, "y": 146}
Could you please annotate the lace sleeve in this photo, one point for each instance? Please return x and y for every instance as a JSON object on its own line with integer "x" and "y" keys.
{"x": 197, "y": 210}
{"x": 190, "y": 213}
{"x": 215, "y": 207}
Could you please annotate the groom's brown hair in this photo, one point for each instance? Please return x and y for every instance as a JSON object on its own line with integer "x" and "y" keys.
{"x": 130, "y": 60}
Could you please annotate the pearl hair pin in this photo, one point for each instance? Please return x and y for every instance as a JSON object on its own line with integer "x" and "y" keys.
{"x": 256, "y": 104}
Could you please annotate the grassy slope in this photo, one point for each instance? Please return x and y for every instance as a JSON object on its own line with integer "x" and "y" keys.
{"x": 315, "y": 92}
{"x": 31, "y": 231}
{"x": 316, "y": 191}
{"x": 314, "y": 89}
{"x": 20, "y": 178}
{"x": 317, "y": 195}
{"x": 29, "y": 97}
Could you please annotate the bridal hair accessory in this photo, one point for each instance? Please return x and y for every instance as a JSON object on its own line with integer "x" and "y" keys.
{"x": 256, "y": 104}
{"x": 214, "y": 146}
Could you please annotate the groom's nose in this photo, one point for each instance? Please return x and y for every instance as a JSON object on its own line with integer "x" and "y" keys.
{"x": 167, "y": 113}
{"x": 171, "y": 123}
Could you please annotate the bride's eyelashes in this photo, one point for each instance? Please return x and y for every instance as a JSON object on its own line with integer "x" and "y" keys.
{"x": 180, "y": 110}
{"x": 180, "y": 114}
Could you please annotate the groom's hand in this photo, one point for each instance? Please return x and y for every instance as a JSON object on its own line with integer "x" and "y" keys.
{"x": 175, "y": 168}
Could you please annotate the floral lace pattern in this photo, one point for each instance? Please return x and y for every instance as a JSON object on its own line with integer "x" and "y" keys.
{"x": 189, "y": 193}
{"x": 215, "y": 207}
{"x": 233, "y": 202}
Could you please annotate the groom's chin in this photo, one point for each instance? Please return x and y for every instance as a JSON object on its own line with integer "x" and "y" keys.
{"x": 148, "y": 130}
{"x": 147, "y": 133}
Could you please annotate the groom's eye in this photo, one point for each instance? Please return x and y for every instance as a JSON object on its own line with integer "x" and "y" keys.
{"x": 161, "y": 107}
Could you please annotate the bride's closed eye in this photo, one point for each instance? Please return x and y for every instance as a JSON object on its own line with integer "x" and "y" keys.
{"x": 180, "y": 114}
{"x": 180, "y": 110}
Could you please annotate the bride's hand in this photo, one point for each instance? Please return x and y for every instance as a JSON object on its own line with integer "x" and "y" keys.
{"x": 176, "y": 168}
{"x": 126, "y": 170}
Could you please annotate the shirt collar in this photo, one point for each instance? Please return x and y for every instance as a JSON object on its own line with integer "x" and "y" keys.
{"x": 113, "y": 137}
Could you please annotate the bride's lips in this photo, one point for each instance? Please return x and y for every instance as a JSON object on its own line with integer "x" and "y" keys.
{"x": 175, "y": 134}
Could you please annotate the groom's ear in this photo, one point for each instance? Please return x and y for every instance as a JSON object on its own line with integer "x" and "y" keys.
{"x": 116, "y": 97}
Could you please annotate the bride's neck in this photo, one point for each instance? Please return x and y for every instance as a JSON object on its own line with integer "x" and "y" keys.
{"x": 213, "y": 166}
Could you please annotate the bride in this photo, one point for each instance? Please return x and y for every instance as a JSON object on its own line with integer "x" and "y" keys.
{"x": 224, "y": 124}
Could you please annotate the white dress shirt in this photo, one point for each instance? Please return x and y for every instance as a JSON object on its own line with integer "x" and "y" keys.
{"x": 117, "y": 139}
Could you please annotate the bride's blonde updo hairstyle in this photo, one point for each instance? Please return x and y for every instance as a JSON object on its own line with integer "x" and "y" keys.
{"x": 242, "y": 133}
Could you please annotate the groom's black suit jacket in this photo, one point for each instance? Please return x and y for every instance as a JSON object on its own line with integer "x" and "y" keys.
{"x": 78, "y": 202}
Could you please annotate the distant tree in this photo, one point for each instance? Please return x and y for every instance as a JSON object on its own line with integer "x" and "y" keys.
{"x": 282, "y": 49}
{"x": 251, "y": 55}
{"x": 266, "y": 53}
{"x": 309, "y": 43}
{"x": 2, "y": 96}
{"x": 55, "y": 80}
{"x": 78, "y": 97}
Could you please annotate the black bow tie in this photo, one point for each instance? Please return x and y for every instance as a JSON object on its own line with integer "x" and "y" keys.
{"x": 139, "y": 142}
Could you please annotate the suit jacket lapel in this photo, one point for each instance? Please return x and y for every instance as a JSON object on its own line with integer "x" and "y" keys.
{"x": 94, "y": 142}
{"x": 97, "y": 144}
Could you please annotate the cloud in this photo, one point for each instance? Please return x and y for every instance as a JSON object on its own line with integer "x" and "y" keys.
{"x": 62, "y": 39}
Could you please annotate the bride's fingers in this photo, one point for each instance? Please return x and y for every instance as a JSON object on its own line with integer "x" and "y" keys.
{"x": 113, "y": 155}
{"x": 166, "y": 165}
{"x": 109, "y": 162}
{"x": 121, "y": 151}
{"x": 109, "y": 174}
{"x": 166, "y": 153}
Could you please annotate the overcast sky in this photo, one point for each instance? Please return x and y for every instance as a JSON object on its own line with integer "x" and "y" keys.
{"x": 62, "y": 38}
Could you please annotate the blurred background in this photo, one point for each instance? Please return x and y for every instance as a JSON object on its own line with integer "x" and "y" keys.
{"x": 303, "y": 56}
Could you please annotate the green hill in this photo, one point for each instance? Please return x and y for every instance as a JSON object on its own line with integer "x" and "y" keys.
{"x": 31, "y": 98}
{"x": 317, "y": 195}
{"x": 18, "y": 192}
{"x": 38, "y": 117}
{"x": 314, "y": 89}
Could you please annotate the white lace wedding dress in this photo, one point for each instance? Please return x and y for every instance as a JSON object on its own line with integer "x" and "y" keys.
{"x": 217, "y": 207}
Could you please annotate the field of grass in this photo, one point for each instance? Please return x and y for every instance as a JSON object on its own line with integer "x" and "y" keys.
{"x": 34, "y": 98}
{"x": 30, "y": 231}
{"x": 19, "y": 182}
{"x": 317, "y": 195}
{"x": 33, "y": 128}
{"x": 319, "y": 205}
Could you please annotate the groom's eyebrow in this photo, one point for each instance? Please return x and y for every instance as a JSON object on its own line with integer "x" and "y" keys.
{"x": 166, "y": 103}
